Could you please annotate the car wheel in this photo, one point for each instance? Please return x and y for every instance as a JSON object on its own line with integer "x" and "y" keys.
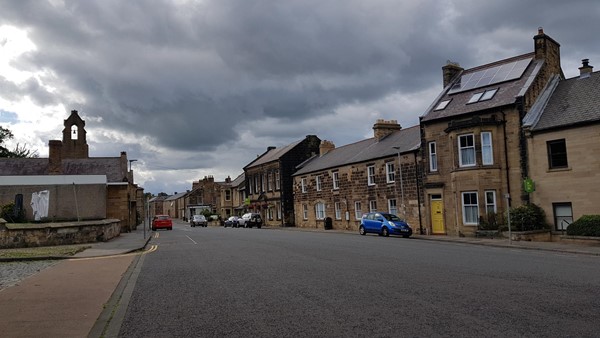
{"x": 193, "y": 225}
{"x": 153, "y": 229}
{"x": 405, "y": 236}
{"x": 385, "y": 232}
{"x": 259, "y": 226}
{"x": 362, "y": 231}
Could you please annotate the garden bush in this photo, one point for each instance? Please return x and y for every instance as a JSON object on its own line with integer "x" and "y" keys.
{"x": 8, "y": 213}
{"x": 587, "y": 225}
{"x": 528, "y": 217}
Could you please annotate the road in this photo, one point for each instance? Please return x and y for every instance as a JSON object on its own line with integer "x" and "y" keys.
{"x": 275, "y": 283}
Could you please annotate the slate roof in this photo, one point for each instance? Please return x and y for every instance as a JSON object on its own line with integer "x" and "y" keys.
{"x": 507, "y": 92}
{"x": 408, "y": 139}
{"x": 176, "y": 196}
{"x": 109, "y": 166}
{"x": 574, "y": 101}
{"x": 238, "y": 180}
{"x": 273, "y": 154}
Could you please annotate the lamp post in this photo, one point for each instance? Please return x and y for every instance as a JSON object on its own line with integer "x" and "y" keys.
{"x": 401, "y": 183}
{"x": 131, "y": 161}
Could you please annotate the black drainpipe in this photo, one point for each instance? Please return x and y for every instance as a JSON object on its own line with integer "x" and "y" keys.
{"x": 506, "y": 155}
{"x": 419, "y": 175}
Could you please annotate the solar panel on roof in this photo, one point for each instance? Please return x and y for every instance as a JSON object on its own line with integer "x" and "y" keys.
{"x": 488, "y": 76}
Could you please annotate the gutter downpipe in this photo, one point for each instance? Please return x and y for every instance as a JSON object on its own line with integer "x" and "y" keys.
{"x": 506, "y": 155}
{"x": 418, "y": 195}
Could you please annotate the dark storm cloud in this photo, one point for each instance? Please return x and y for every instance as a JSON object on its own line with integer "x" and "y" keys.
{"x": 194, "y": 75}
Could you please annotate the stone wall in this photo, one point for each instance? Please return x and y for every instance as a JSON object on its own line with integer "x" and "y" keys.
{"x": 22, "y": 235}
{"x": 67, "y": 202}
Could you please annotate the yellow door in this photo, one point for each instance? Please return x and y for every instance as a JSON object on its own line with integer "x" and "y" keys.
{"x": 437, "y": 217}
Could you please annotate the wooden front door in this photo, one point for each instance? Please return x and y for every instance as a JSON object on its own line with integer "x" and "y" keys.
{"x": 437, "y": 215}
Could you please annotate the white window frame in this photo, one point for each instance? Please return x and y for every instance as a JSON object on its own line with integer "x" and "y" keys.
{"x": 263, "y": 182}
{"x": 490, "y": 206}
{"x": 372, "y": 205}
{"x": 392, "y": 206}
{"x": 336, "y": 180}
{"x": 371, "y": 175}
{"x": 470, "y": 148}
{"x": 303, "y": 185}
{"x": 470, "y": 207}
{"x": 487, "y": 150}
{"x": 390, "y": 172}
{"x": 277, "y": 180}
{"x": 318, "y": 182}
{"x": 304, "y": 212}
{"x": 433, "y": 157}
{"x": 278, "y": 208}
{"x": 256, "y": 185}
{"x": 320, "y": 211}
{"x": 357, "y": 210}
{"x": 228, "y": 194}
{"x": 338, "y": 210}
{"x": 270, "y": 181}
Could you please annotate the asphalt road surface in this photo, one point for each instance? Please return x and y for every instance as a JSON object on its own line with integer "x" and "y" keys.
{"x": 236, "y": 282}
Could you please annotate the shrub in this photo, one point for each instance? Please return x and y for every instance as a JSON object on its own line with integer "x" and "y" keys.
{"x": 491, "y": 221}
{"x": 528, "y": 217}
{"x": 8, "y": 213}
{"x": 587, "y": 225}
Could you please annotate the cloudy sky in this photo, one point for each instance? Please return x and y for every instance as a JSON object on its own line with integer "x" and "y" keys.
{"x": 192, "y": 88}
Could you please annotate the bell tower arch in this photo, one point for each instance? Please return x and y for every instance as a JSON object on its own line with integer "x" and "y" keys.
{"x": 74, "y": 144}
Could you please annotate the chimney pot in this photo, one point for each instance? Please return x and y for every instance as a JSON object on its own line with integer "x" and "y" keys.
{"x": 585, "y": 70}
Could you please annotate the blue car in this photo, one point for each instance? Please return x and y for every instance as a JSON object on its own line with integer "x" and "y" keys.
{"x": 384, "y": 224}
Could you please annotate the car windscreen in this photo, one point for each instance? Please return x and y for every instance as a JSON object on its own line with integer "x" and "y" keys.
{"x": 391, "y": 217}
{"x": 163, "y": 217}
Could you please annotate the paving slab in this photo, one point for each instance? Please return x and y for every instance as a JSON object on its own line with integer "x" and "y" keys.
{"x": 63, "y": 301}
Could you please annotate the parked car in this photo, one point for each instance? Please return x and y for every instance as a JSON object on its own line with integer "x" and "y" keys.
{"x": 250, "y": 220}
{"x": 162, "y": 222}
{"x": 231, "y": 222}
{"x": 384, "y": 224}
{"x": 198, "y": 220}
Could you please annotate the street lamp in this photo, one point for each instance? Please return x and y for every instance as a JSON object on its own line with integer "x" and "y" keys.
{"x": 131, "y": 161}
{"x": 401, "y": 183}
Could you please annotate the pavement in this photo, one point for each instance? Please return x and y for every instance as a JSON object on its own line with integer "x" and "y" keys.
{"x": 78, "y": 296}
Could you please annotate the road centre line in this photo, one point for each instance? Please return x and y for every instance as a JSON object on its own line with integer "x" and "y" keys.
{"x": 191, "y": 239}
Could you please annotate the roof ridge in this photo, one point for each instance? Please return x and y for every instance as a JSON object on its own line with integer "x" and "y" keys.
{"x": 498, "y": 62}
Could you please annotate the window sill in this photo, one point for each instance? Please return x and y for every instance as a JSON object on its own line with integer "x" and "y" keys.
{"x": 553, "y": 170}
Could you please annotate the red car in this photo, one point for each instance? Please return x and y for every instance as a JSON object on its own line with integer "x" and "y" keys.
{"x": 162, "y": 221}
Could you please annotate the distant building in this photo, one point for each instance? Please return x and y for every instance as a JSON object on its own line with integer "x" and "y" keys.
{"x": 269, "y": 183}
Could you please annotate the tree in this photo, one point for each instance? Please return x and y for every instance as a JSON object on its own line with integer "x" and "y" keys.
{"x": 20, "y": 151}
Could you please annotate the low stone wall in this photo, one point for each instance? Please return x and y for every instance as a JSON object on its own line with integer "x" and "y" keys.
{"x": 23, "y": 235}
{"x": 584, "y": 240}
{"x": 533, "y": 235}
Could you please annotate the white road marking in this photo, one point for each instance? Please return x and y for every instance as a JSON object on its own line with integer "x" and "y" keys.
{"x": 191, "y": 239}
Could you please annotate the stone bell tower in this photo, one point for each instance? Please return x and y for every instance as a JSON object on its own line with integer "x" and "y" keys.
{"x": 73, "y": 144}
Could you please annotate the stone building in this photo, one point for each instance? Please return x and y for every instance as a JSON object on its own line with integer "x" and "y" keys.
{"x": 69, "y": 160}
{"x": 474, "y": 148}
{"x": 175, "y": 205}
{"x": 563, "y": 139}
{"x": 205, "y": 194}
{"x": 232, "y": 197}
{"x": 269, "y": 184}
{"x": 344, "y": 183}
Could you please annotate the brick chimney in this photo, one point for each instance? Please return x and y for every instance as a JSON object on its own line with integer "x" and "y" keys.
{"x": 450, "y": 70}
{"x": 325, "y": 147}
{"x": 585, "y": 70}
{"x": 547, "y": 49}
{"x": 55, "y": 157}
{"x": 383, "y": 128}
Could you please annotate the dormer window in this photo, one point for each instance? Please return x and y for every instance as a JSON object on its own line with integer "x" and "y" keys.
{"x": 483, "y": 96}
{"x": 442, "y": 105}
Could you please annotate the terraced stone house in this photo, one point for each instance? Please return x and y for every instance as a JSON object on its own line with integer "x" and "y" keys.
{"x": 563, "y": 139}
{"x": 474, "y": 147}
{"x": 269, "y": 183}
{"x": 381, "y": 173}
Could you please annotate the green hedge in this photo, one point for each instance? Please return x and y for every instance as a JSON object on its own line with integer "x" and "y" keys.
{"x": 587, "y": 225}
{"x": 528, "y": 217}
